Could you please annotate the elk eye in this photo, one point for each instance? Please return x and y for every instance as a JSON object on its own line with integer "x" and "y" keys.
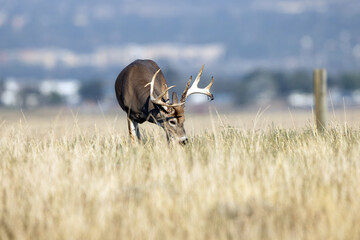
{"x": 172, "y": 122}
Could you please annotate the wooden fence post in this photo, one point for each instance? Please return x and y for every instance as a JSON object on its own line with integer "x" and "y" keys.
{"x": 320, "y": 89}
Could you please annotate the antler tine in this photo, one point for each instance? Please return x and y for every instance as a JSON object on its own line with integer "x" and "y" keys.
{"x": 197, "y": 79}
{"x": 195, "y": 89}
{"x": 210, "y": 84}
{"x": 183, "y": 95}
{"x": 158, "y": 100}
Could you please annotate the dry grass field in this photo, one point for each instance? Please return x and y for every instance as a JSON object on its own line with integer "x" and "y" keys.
{"x": 266, "y": 175}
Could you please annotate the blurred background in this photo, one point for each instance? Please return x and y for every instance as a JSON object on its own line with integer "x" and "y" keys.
{"x": 260, "y": 52}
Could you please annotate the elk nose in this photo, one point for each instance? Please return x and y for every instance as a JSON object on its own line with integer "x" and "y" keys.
{"x": 184, "y": 140}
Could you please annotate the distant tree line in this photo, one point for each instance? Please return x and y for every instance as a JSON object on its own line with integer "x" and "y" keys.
{"x": 252, "y": 87}
{"x": 92, "y": 90}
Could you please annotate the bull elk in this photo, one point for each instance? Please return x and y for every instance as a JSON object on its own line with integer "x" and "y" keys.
{"x": 143, "y": 94}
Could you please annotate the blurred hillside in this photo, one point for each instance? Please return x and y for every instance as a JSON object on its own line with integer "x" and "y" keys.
{"x": 84, "y": 38}
{"x": 260, "y": 51}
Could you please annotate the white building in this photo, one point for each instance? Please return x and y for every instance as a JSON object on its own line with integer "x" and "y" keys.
{"x": 33, "y": 93}
{"x": 68, "y": 89}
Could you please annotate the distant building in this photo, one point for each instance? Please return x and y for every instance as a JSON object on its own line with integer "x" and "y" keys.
{"x": 336, "y": 98}
{"x": 356, "y": 96}
{"x": 30, "y": 93}
{"x": 66, "y": 89}
{"x": 9, "y": 93}
{"x": 22, "y": 93}
{"x": 301, "y": 100}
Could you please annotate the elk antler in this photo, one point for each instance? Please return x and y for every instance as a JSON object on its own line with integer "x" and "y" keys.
{"x": 195, "y": 89}
{"x": 183, "y": 95}
{"x": 158, "y": 100}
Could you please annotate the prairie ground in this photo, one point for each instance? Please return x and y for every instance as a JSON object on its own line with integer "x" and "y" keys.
{"x": 265, "y": 175}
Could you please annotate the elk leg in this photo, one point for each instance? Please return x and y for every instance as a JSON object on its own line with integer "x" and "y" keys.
{"x": 133, "y": 129}
{"x": 137, "y": 130}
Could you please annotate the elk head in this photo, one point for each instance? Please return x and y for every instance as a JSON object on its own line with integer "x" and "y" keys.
{"x": 172, "y": 114}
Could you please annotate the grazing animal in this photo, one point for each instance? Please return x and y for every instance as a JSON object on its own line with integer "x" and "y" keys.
{"x": 143, "y": 94}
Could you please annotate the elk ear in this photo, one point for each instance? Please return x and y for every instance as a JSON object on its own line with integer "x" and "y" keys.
{"x": 174, "y": 98}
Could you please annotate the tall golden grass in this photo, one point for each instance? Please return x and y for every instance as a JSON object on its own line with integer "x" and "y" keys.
{"x": 67, "y": 178}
